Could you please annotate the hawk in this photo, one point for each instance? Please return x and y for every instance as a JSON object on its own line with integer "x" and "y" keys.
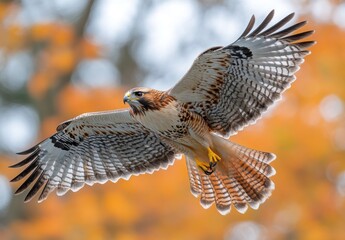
{"x": 226, "y": 89}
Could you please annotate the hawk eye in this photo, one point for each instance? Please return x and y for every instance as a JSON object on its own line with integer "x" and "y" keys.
{"x": 138, "y": 94}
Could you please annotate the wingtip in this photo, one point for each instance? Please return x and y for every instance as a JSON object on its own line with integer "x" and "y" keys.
{"x": 252, "y": 18}
{"x": 14, "y": 180}
{"x": 291, "y": 15}
{"x": 16, "y": 165}
{"x": 27, "y": 198}
{"x": 249, "y": 27}
{"x": 302, "y": 23}
{"x": 27, "y": 160}
{"x": 17, "y": 178}
{"x": 272, "y": 12}
{"x": 28, "y": 151}
{"x": 19, "y": 190}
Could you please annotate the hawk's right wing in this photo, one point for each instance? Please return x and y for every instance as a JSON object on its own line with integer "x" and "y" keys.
{"x": 231, "y": 86}
{"x": 93, "y": 147}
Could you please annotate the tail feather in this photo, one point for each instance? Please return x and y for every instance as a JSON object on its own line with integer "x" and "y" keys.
{"x": 254, "y": 181}
{"x": 194, "y": 178}
{"x": 241, "y": 178}
{"x": 223, "y": 198}
{"x": 208, "y": 196}
{"x": 238, "y": 195}
{"x": 258, "y": 159}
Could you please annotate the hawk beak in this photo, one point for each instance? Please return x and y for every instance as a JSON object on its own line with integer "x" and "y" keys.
{"x": 127, "y": 98}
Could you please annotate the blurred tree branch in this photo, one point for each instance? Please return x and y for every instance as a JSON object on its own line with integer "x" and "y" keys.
{"x": 48, "y": 106}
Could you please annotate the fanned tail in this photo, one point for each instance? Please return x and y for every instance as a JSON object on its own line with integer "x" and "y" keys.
{"x": 240, "y": 179}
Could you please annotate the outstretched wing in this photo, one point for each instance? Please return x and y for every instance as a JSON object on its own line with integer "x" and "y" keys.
{"x": 93, "y": 147}
{"x": 232, "y": 86}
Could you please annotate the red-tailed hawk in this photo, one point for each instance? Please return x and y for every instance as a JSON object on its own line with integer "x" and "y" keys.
{"x": 226, "y": 89}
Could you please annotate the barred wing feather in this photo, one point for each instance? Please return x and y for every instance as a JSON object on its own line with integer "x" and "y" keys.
{"x": 232, "y": 86}
{"x": 94, "y": 147}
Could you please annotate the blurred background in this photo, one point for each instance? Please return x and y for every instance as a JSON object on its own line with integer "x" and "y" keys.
{"x": 61, "y": 58}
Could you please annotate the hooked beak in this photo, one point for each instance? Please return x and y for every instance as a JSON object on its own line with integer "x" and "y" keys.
{"x": 128, "y": 98}
{"x": 125, "y": 99}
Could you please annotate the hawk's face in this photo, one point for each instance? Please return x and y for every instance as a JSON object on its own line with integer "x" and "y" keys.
{"x": 141, "y": 99}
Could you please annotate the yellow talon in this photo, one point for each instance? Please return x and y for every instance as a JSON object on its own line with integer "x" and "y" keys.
{"x": 206, "y": 168}
{"x": 212, "y": 156}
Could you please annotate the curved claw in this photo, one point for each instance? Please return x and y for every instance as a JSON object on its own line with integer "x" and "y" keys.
{"x": 209, "y": 172}
{"x": 206, "y": 168}
{"x": 213, "y": 165}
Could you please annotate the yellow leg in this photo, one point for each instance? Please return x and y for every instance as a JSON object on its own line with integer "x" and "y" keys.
{"x": 212, "y": 156}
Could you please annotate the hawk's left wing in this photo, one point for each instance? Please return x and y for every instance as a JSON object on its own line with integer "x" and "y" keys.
{"x": 230, "y": 87}
{"x": 93, "y": 147}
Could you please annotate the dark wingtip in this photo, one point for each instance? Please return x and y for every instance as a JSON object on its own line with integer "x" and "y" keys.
{"x": 17, "y": 178}
{"x": 264, "y": 23}
{"x": 271, "y": 14}
{"x": 14, "y": 179}
{"x": 26, "y": 171}
{"x": 291, "y": 15}
{"x": 278, "y": 25}
{"x": 26, "y": 160}
{"x": 26, "y": 152}
{"x": 249, "y": 27}
{"x": 305, "y": 44}
{"x": 22, "y": 187}
{"x": 16, "y": 165}
{"x": 35, "y": 188}
{"x": 34, "y": 175}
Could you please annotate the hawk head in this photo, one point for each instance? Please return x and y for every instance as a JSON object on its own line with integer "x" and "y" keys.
{"x": 143, "y": 99}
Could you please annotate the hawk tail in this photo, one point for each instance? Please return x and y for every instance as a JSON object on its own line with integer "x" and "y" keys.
{"x": 240, "y": 178}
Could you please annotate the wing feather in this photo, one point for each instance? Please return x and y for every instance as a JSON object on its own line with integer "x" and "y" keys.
{"x": 231, "y": 86}
{"x": 93, "y": 147}
{"x": 263, "y": 25}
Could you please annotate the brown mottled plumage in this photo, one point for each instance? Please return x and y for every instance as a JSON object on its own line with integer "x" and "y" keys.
{"x": 226, "y": 89}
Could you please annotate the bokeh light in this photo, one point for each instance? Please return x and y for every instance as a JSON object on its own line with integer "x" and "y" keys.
{"x": 61, "y": 58}
{"x": 19, "y": 127}
{"x": 6, "y": 194}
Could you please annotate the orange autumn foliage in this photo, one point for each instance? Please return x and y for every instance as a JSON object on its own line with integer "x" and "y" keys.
{"x": 73, "y": 100}
{"x": 42, "y": 32}
{"x": 89, "y": 49}
{"x": 306, "y": 203}
{"x": 63, "y": 35}
{"x": 63, "y": 59}
{"x": 40, "y": 83}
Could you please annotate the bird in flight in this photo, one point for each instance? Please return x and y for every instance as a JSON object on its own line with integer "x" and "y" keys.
{"x": 226, "y": 89}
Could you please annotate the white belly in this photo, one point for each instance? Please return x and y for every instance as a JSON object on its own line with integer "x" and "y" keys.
{"x": 160, "y": 120}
